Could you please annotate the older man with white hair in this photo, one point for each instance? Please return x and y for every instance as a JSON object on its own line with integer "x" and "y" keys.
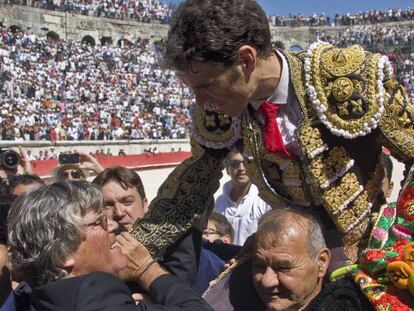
{"x": 63, "y": 244}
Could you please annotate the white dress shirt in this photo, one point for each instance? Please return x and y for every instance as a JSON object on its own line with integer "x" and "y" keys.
{"x": 287, "y": 120}
{"x": 244, "y": 216}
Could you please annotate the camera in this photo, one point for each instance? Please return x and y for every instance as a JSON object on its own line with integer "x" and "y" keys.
{"x": 68, "y": 158}
{"x": 9, "y": 159}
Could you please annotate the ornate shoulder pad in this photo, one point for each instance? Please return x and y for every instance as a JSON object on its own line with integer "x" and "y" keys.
{"x": 345, "y": 86}
{"x": 213, "y": 129}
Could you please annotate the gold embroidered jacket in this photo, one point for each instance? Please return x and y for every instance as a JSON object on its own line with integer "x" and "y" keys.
{"x": 350, "y": 106}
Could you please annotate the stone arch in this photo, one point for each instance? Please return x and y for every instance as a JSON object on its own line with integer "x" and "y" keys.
{"x": 15, "y": 28}
{"x": 88, "y": 40}
{"x": 51, "y": 35}
{"x": 123, "y": 42}
{"x": 106, "y": 40}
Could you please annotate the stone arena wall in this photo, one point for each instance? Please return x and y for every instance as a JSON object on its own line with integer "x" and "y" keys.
{"x": 76, "y": 27}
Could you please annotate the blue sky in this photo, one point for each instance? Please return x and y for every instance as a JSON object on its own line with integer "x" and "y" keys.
{"x": 330, "y": 7}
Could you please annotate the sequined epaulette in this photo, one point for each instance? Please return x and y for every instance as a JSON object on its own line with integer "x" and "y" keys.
{"x": 212, "y": 128}
{"x": 345, "y": 87}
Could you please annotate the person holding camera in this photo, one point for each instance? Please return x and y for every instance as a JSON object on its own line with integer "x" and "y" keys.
{"x": 14, "y": 161}
{"x": 76, "y": 166}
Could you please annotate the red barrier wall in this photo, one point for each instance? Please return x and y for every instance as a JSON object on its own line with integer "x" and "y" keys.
{"x": 135, "y": 161}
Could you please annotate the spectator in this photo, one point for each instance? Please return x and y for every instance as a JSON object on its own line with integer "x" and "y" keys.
{"x": 69, "y": 172}
{"x": 290, "y": 263}
{"x": 240, "y": 202}
{"x": 289, "y": 260}
{"x": 124, "y": 195}
{"x": 76, "y": 171}
{"x": 75, "y": 91}
{"x": 218, "y": 229}
{"x": 80, "y": 267}
{"x": 122, "y": 190}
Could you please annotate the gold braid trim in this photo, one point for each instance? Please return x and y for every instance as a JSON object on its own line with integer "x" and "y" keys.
{"x": 338, "y": 197}
{"x": 335, "y": 187}
{"x": 311, "y": 140}
{"x": 327, "y": 170}
{"x": 181, "y": 199}
{"x": 397, "y": 123}
{"x": 230, "y": 269}
{"x": 278, "y": 179}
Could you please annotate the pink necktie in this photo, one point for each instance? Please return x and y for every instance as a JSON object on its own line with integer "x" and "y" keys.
{"x": 272, "y": 138}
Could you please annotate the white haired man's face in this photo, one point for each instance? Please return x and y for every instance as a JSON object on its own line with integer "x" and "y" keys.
{"x": 285, "y": 275}
{"x": 98, "y": 251}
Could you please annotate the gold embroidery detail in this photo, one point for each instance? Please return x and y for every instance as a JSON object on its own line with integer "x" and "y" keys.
{"x": 338, "y": 197}
{"x": 342, "y": 89}
{"x": 342, "y": 62}
{"x": 296, "y": 71}
{"x": 327, "y": 170}
{"x": 265, "y": 168}
{"x": 224, "y": 120}
{"x": 372, "y": 187}
{"x": 311, "y": 140}
{"x": 180, "y": 201}
{"x": 291, "y": 175}
{"x": 350, "y": 217}
{"x": 396, "y": 123}
{"x": 346, "y": 85}
{"x": 213, "y": 125}
{"x": 211, "y": 121}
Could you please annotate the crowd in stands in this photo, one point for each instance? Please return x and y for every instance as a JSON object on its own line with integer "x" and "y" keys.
{"x": 52, "y": 89}
{"x": 145, "y": 11}
{"x": 372, "y": 37}
{"x": 406, "y": 74}
{"x": 360, "y": 18}
{"x": 153, "y": 10}
{"x": 58, "y": 90}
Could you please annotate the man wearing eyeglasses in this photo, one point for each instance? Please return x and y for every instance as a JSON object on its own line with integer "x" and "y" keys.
{"x": 240, "y": 202}
{"x": 63, "y": 245}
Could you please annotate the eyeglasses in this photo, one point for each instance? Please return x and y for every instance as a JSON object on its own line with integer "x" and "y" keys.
{"x": 211, "y": 231}
{"x": 101, "y": 220}
{"x": 76, "y": 174}
{"x": 235, "y": 163}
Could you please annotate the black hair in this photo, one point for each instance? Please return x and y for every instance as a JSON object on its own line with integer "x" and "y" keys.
{"x": 214, "y": 30}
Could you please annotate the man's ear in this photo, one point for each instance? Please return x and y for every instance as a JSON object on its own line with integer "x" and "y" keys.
{"x": 145, "y": 203}
{"x": 323, "y": 259}
{"x": 247, "y": 58}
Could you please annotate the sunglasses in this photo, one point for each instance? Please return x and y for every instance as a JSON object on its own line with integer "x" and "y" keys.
{"x": 101, "y": 220}
{"x": 235, "y": 163}
{"x": 76, "y": 174}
